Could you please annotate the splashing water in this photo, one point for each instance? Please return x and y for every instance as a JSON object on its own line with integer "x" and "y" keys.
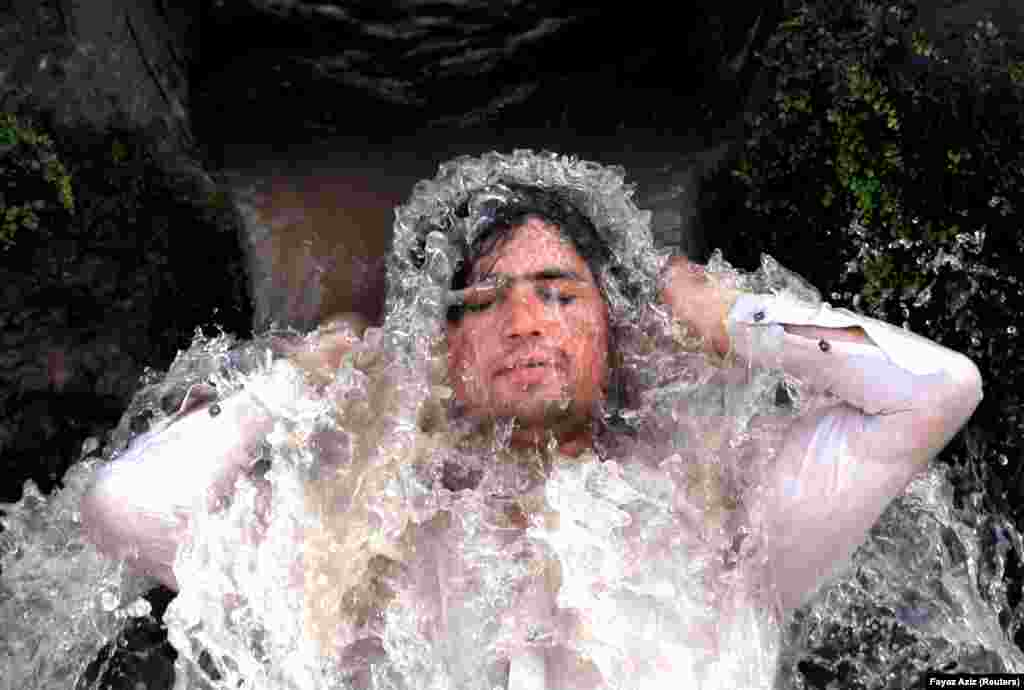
{"x": 598, "y": 568}
{"x": 390, "y": 544}
{"x": 60, "y": 601}
{"x": 926, "y": 593}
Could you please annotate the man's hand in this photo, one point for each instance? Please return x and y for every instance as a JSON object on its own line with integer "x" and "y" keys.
{"x": 701, "y": 301}
{"x": 319, "y": 354}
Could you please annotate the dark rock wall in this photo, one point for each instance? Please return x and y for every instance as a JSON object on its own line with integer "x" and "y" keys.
{"x": 101, "y": 62}
{"x": 121, "y": 285}
{"x": 92, "y": 297}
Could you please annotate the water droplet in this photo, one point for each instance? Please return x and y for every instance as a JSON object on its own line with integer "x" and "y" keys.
{"x": 140, "y": 422}
{"x": 89, "y": 445}
{"x": 109, "y": 601}
{"x": 139, "y": 608}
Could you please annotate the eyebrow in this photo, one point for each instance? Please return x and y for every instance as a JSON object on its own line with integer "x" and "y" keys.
{"x": 497, "y": 281}
{"x": 542, "y": 275}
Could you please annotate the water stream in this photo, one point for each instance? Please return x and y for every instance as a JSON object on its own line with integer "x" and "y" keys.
{"x": 925, "y": 592}
{"x": 399, "y": 547}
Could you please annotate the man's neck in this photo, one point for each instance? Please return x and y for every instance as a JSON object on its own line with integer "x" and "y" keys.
{"x": 568, "y": 439}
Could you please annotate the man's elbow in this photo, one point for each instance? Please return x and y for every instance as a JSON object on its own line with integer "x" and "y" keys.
{"x": 121, "y": 533}
{"x": 944, "y": 414}
{"x": 960, "y": 391}
{"x": 973, "y": 386}
{"x": 961, "y": 399}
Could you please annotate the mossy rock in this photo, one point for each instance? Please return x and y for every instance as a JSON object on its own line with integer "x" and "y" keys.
{"x": 37, "y": 187}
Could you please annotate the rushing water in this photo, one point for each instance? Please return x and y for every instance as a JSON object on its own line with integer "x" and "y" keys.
{"x": 925, "y": 590}
{"x": 389, "y": 519}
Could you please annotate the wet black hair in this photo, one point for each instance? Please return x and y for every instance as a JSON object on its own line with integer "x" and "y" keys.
{"x": 551, "y": 206}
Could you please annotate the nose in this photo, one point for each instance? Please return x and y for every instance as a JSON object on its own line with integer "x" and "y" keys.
{"x": 525, "y": 315}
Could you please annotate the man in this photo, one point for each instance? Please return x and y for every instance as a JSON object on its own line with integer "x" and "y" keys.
{"x": 544, "y": 270}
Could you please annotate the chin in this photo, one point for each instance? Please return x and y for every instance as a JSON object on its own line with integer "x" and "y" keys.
{"x": 539, "y": 419}
{"x": 538, "y": 412}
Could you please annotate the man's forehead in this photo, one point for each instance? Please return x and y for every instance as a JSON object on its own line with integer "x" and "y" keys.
{"x": 534, "y": 251}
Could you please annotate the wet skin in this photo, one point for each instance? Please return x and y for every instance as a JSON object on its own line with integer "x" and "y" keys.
{"x": 532, "y": 344}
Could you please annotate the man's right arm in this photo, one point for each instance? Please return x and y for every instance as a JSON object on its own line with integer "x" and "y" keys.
{"x": 139, "y": 505}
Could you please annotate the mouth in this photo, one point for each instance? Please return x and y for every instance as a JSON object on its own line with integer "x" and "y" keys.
{"x": 528, "y": 363}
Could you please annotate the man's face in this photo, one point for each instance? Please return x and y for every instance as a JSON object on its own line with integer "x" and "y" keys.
{"x": 535, "y": 349}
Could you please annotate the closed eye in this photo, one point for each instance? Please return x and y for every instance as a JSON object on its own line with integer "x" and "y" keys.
{"x": 477, "y": 306}
{"x": 551, "y": 295}
{"x": 547, "y": 295}
{"x": 481, "y": 297}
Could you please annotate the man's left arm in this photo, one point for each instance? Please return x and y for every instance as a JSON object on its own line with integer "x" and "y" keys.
{"x": 901, "y": 399}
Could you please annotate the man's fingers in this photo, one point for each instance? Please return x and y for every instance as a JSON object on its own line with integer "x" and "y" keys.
{"x": 348, "y": 325}
{"x": 320, "y": 353}
{"x": 478, "y": 294}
